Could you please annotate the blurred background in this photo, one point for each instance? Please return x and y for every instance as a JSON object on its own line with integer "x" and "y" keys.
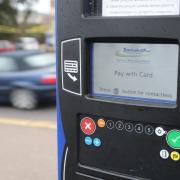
{"x": 27, "y": 90}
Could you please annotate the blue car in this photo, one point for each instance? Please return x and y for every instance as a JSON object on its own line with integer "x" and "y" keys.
{"x": 27, "y": 78}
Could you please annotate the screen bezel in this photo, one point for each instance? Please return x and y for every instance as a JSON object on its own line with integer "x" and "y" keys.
{"x": 103, "y": 98}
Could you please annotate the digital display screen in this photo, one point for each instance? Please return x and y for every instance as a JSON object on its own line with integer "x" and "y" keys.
{"x": 137, "y": 73}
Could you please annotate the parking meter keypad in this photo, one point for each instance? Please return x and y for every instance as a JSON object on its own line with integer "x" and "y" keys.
{"x": 113, "y": 140}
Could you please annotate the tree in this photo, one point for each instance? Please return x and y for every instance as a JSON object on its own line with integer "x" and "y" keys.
{"x": 9, "y": 11}
{"x": 28, "y": 8}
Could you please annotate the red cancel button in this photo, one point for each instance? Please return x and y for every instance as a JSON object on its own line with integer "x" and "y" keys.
{"x": 88, "y": 126}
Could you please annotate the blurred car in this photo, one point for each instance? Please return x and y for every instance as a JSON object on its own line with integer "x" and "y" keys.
{"x": 27, "y": 78}
{"x": 50, "y": 40}
{"x": 6, "y": 46}
{"x": 27, "y": 43}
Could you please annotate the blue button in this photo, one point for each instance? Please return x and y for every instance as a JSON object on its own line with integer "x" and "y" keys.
{"x": 88, "y": 141}
{"x": 97, "y": 142}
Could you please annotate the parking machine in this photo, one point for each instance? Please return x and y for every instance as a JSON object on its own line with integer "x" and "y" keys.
{"x": 118, "y": 88}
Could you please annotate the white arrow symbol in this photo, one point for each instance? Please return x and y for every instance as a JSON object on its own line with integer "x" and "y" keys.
{"x": 74, "y": 78}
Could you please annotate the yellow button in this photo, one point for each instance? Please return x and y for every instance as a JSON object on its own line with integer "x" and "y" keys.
{"x": 101, "y": 123}
{"x": 175, "y": 156}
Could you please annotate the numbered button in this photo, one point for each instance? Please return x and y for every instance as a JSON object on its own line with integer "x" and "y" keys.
{"x": 129, "y": 127}
{"x": 149, "y": 130}
{"x": 164, "y": 154}
{"x": 119, "y": 125}
{"x": 139, "y": 128}
{"x": 110, "y": 124}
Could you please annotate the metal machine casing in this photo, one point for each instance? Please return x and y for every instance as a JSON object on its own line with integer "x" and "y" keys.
{"x": 75, "y": 33}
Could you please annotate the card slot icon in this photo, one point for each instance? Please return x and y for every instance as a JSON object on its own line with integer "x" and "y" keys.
{"x": 71, "y": 66}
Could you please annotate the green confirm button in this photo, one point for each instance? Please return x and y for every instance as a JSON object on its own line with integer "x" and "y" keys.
{"x": 173, "y": 139}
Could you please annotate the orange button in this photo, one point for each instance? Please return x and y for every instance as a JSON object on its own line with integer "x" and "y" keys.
{"x": 101, "y": 123}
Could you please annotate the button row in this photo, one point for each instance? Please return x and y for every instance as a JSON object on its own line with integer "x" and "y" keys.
{"x": 88, "y": 126}
{"x": 89, "y": 141}
{"x": 139, "y": 128}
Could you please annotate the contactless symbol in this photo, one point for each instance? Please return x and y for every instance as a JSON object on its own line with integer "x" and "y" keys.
{"x": 159, "y": 131}
{"x": 175, "y": 156}
{"x": 88, "y": 126}
{"x": 139, "y": 128}
{"x": 101, "y": 123}
{"x": 164, "y": 154}
{"x": 119, "y": 125}
{"x": 173, "y": 139}
{"x": 97, "y": 142}
{"x": 129, "y": 127}
{"x": 88, "y": 141}
{"x": 110, "y": 124}
{"x": 149, "y": 130}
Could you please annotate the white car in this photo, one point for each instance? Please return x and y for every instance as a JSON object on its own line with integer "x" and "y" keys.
{"x": 27, "y": 43}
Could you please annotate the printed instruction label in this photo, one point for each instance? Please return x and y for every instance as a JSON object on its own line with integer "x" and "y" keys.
{"x": 140, "y": 7}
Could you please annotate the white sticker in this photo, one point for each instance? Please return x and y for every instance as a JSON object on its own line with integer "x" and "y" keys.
{"x": 140, "y": 7}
